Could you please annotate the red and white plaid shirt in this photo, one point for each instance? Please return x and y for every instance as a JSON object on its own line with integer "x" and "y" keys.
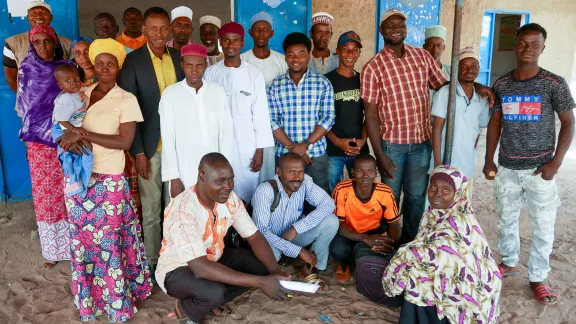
{"x": 400, "y": 88}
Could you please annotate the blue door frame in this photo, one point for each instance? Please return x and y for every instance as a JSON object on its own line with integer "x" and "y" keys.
{"x": 14, "y": 173}
{"x": 487, "y": 40}
{"x": 287, "y": 16}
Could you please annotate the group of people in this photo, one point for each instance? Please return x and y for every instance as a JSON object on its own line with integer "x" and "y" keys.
{"x": 146, "y": 123}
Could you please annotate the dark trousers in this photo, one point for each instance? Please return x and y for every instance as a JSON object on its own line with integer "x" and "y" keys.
{"x": 198, "y": 296}
{"x": 318, "y": 171}
{"x": 342, "y": 249}
{"x": 412, "y": 314}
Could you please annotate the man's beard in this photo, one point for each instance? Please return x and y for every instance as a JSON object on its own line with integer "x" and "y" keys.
{"x": 388, "y": 41}
{"x": 211, "y": 48}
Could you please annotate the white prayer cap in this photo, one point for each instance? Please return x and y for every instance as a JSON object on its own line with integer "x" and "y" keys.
{"x": 35, "y": 4}
{"x": 467, "y": 52}
{"x": 210, "y": 20}
{"x": 435, "y": 31}
{"x": 182, "y": 12}
{"x": 322, "y": 18}
{"x": 263, "y": 15}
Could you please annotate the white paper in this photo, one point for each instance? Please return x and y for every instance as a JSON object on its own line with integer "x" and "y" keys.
{"x": 300, "y": 286}
{"x": 18, "y": 8}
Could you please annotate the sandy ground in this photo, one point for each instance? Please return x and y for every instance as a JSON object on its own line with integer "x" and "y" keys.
{"x": 31, "y": 294}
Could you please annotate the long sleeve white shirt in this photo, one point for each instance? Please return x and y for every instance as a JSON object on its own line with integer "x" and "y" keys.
{"x": 193, "y": 124}
{"x": 246, "y": 93}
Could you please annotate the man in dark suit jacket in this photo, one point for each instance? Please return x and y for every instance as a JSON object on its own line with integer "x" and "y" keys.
{"x": 146, "y": 72}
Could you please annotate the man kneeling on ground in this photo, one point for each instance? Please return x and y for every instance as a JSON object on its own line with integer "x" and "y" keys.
{"x": 362, "y": 205}
{"x": 194, "y": 264}
{"x": 278, "y": 213}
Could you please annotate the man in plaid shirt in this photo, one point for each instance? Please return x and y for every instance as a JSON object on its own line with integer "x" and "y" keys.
{"x": 301, "y": 107}
{"x": 395, "y": 88}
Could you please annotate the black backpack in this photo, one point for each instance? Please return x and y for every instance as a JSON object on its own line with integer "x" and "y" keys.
{"x": 232, "y": 238}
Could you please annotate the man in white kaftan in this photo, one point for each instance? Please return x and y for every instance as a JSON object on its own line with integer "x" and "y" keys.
{"x": 195, "y": 120}
{"x": 271, "y": 64}
{"x": 246, "y": 92}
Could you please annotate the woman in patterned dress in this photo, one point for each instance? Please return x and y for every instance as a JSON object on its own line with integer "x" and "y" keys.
{"x": 36, "y": 94}
{"x": 448, "y": 273}
{"x": 109, "y": 269}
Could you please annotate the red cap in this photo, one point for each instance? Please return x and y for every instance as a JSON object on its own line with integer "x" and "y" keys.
{"x": 194, "y": 50}
{"x": 233, "y": 28}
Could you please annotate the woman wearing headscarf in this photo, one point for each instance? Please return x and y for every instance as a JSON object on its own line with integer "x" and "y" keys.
{"x": 80, "y": 57}
{"x": 80, "y": 52}
{"x": 109, "y": 268}
{"x": 448, "y": 273}
{"x": 38, "y": 89}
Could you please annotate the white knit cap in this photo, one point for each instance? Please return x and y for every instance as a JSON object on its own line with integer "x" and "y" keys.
{"x": 467, "y": 52}
{"x": 182, "y": 12}
{"x": 322, "y": 18}
{"x": 210, "y": 20}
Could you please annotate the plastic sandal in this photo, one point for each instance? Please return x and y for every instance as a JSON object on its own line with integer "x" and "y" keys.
{"x": 506, "y": 274}
{"x": 543, "y": 291}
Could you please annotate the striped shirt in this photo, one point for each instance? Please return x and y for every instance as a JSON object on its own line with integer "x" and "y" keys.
{"x": 289, "y": 212}
{"x": 365, "y": 216}
{"x": 400, "y": 89}
{"x": 297, "y": 109}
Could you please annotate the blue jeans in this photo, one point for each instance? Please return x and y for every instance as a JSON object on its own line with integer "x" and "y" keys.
{"x": 336, "y": 167}
{"x": 411, "y": 177}
{"x": 320, "y": 238}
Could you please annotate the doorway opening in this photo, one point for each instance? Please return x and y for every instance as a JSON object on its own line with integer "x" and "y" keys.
{"x": 497, "y": 44}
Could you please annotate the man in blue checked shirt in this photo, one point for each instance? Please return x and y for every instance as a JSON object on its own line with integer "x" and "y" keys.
{"x": 301, "y": 104}
{"x": 285, "y": 227}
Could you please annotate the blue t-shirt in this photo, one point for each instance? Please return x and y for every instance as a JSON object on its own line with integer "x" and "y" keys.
{"x": 470, "y": 117}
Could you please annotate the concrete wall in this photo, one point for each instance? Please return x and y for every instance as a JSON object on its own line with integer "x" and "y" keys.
{"x": 87, "y": 10}
{"x": 471, "y": 25}
{"x": 357, "y": 15}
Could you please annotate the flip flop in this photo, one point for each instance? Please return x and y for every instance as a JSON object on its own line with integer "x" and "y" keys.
{"x": 50, "y": 264}
{"x": 506, "y": 274}
{"x": 316, "y": 280}
{"x": 182, "y": 317}
{"x": 225, "y": 311}
{"x": 543, "y": 291}
{"x": 342, "y": 276}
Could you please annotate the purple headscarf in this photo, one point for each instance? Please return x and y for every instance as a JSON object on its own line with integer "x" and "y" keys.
{"x": 37, "y": 89}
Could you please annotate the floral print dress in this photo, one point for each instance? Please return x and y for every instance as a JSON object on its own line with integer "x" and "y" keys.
{"x": 449, "y": 264}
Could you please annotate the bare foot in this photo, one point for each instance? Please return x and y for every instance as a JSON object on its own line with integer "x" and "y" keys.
{"x": 544, "y": 293}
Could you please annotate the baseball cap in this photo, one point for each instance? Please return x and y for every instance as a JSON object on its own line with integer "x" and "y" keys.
{"x": 349, "y": 36}
{"x": 391, "y": 12}
{"x": 35, "y": 4}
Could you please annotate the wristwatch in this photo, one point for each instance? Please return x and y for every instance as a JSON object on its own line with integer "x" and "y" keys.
{"x": 308, "y": 145}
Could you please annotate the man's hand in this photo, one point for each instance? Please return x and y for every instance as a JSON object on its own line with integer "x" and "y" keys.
{"x": 386, "y": 167}
{"x": 372, "y": 240}
{"x": 384, "y": 244}
{"x": 485, "y": 92}
{"x": 176, "y": 187}
{"x": 490, "y": 170}
{"x": 290, "y": 234}
{"x": 257, "y": 160}
{"x": 308, "y": 257}
{"x": 271, "y": 287}
{"x": 80, "y": 131}
{"x": 301, "y": 149}
{"x": 548, "y": 170}
{"x": 142, "y": 165}
{"x": 66, "y": 140}
{"x": 281, "y": 275}
{"x": 342, "y": 143}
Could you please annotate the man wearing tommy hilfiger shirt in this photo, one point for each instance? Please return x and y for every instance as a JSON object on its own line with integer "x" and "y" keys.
{"x": 524, "y": 123}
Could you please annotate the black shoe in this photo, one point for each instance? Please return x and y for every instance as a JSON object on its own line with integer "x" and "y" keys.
{"x": 152, "y": 269}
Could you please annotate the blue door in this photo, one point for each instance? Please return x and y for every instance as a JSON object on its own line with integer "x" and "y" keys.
{"x": 421, "y": 15}
{"x": 14, "y": 172}
{"x": 287, "y": 16}
{"x": 486, "y": 44}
